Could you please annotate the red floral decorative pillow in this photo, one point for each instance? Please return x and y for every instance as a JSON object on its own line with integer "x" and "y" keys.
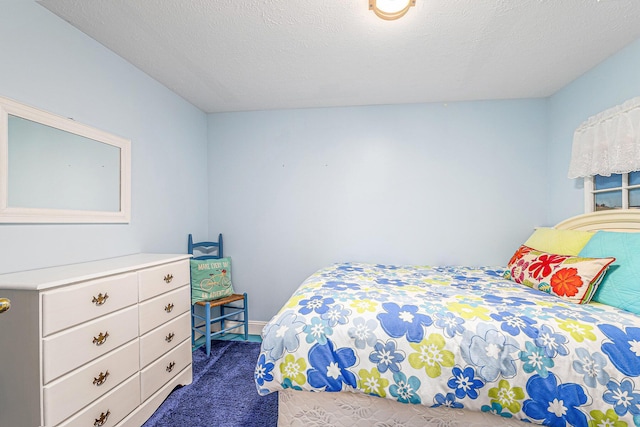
{"x": 569, "y": 277}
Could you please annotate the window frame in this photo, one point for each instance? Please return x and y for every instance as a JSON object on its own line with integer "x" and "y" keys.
{"x": 590, "y": 192}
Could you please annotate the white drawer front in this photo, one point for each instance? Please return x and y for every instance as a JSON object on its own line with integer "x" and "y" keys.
{"x": 72, "y": 392}
{"x": 72, "y": 305}
{"x": 165, "y": 337}
{"x": 163, "y": 308}
{"x": 162, "y": 370}
{"x": 156, "y": 280}
{"x": 111, "y": 408}
{"x": 74, "y": 347}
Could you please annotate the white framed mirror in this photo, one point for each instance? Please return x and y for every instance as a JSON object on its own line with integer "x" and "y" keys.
{"x": 56, "y": 170}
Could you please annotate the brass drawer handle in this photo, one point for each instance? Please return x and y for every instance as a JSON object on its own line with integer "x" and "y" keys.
{"x": 169, "y": 337}
{"x": 101, "y": 379}
{"x": 101, "y": 339}
{"x": 168, "y": 278}
{"x": 102, "y": 420}
{"x": 171, "y": 366}
{"x": 5, "y": 304}
{"x": 169, "y": 308}
{"x": 100, "y": 299}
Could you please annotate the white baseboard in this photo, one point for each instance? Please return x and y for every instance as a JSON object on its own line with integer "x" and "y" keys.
{"x": 255, "y": 326}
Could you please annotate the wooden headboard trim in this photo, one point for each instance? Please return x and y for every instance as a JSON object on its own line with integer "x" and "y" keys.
{"x": 626, "y": 220}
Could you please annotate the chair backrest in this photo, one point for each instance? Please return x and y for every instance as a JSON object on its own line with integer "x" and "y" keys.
{"x": 206, "y": 248}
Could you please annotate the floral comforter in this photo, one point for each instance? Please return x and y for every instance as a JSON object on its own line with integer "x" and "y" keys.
{"x": 459, "y": 337}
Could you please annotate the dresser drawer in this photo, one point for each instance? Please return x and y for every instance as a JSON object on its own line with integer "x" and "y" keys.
{"x": 154, "y": 281}
{"x": 72, "y": 305}
{"x": 165, "y": 368}
{"x": 111, "y": 408}
{"x": 163, "y": 308}
{"x": 82, "y": 386}
{"x": 69, "y": 349}
{"x": 165, "y": 337}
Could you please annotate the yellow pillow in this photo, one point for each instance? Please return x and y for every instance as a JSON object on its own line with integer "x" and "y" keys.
{"x": 563, "y": 242}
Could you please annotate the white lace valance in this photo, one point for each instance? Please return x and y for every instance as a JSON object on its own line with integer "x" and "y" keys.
{"x": 608, "y": 142}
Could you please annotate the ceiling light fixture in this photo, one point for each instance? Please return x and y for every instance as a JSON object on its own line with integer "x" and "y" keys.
{"x": 391, "y": 9}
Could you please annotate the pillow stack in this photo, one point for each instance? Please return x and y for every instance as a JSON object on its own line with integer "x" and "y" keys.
{"x": 581, "y": 266}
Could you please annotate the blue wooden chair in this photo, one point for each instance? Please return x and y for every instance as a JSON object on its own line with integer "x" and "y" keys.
{"x": 201, "y": 311}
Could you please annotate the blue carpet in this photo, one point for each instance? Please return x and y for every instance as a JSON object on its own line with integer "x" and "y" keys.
{"x": 223, "y": 392}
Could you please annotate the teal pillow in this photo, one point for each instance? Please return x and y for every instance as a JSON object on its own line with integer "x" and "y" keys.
{"x": 210, "y": 279}
{"x": 621, "y": 285}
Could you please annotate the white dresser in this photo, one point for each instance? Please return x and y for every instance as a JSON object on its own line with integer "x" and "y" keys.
{"x": 96, "y": 344}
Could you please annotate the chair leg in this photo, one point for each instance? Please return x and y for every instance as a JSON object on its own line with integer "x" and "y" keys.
{"x": 207, "y": 329}
{"x": 246, "y": 317}
{"x": 193, "y": 325}
{"x": 222, "y": 320}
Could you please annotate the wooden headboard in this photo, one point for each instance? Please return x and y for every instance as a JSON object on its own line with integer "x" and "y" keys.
{"x": 627, "y": 220}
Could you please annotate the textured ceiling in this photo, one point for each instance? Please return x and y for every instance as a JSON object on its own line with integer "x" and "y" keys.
{"x": 239, "y": 55}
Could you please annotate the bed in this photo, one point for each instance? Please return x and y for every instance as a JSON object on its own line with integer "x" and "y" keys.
{"x": 387, "y": 345}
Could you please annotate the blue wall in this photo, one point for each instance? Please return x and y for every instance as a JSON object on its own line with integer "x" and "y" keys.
{"x": 611, "y": 83}
{"x": 297, "y": 190}
{"x": 48, "y": 64}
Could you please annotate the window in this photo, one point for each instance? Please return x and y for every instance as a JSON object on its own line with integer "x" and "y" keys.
{"x": 618, "y": 191}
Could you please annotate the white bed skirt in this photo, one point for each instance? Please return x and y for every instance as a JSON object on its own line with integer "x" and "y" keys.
{"x": 306, "y": 409}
